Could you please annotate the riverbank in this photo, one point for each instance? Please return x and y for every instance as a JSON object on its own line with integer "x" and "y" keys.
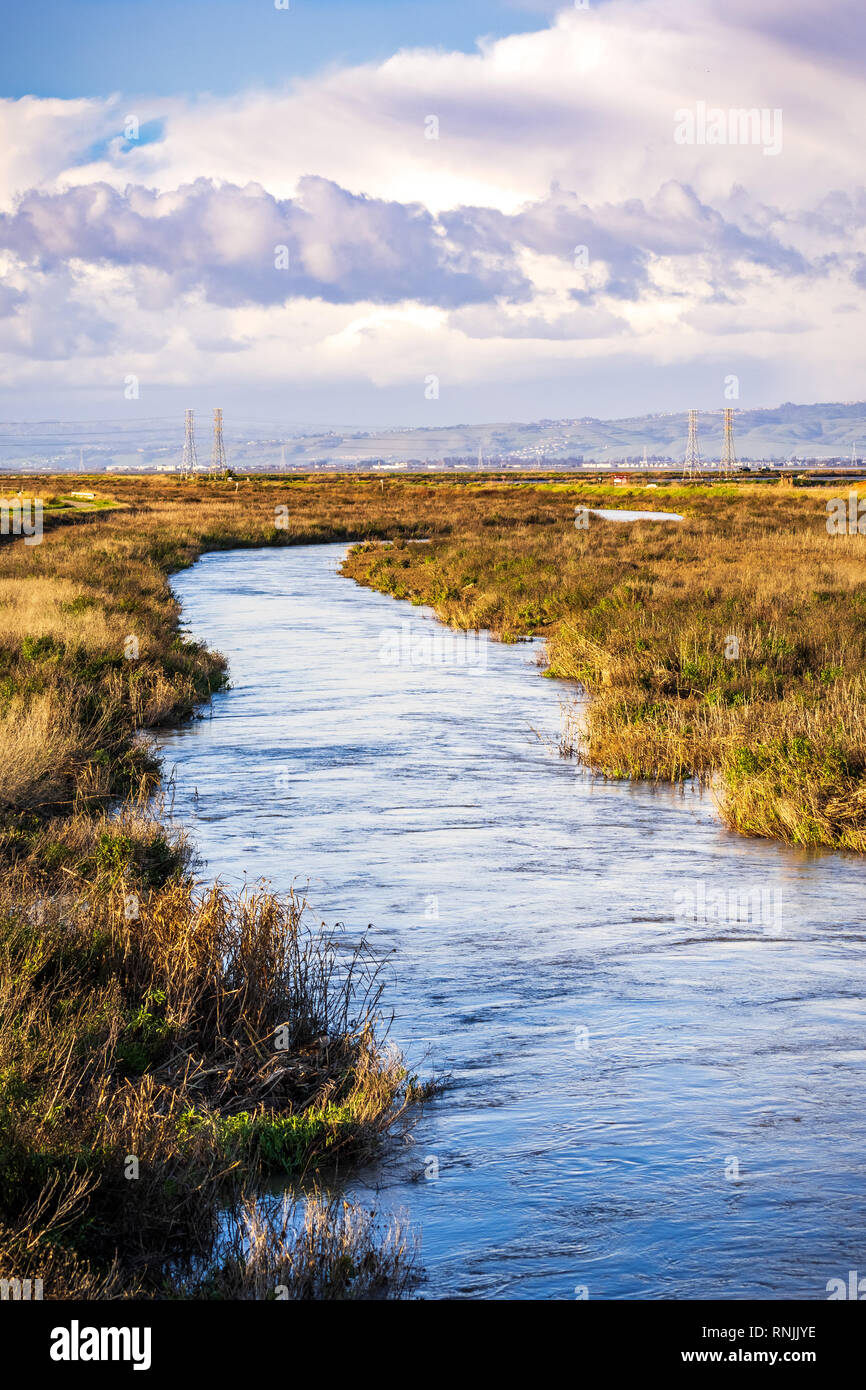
{"x": 621, "y": 992}
{"x": 161, "y": 1052}
{"x": 160, "y": 1064}
{"x": 730, "y": 646}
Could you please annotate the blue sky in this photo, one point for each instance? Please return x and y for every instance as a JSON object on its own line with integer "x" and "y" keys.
{"x": 56, "y": 48}
{"x": 430, "y": 211}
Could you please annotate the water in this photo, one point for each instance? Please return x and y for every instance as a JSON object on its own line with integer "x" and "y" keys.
{"x": 614, "y": 1063}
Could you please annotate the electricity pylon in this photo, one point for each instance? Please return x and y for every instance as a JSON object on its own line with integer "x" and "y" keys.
{"x": 693, "y": 448}
{"x": 189, "y": 463}
{"x": 218, "y": 462}
{"x": 728, "y": 463}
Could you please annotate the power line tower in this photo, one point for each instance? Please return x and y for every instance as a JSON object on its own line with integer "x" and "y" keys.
{"x": 189, "y": 463}
{"x": 218, "y": 463}
{"x": 729, "y": 454}
{"x": 693, "y": 448}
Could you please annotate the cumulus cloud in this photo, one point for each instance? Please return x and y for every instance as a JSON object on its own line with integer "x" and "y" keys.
{"x": 242, "y": 245}
{"x": 554, "y": 207}
{"x": 626, "y": 237}
{"x": 588, "y": 102}
{"x": 33, "y": 327}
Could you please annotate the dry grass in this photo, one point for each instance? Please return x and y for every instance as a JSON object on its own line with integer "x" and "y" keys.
{"x": 41, "y": 746}
{"x": 153, "y": 1035}
{"x": 640, "y": 615}
{"x": 57, "y": 608}
{"x": 636, "y": 613}
{"x": 210, "y": 1040}
{"x": 213, "y": 1039}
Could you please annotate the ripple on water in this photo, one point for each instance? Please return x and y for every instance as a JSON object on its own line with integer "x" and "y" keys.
{"x": 609, "y": 1055}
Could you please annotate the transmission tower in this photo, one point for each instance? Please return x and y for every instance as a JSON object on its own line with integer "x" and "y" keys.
{"x": 693, "y": 448}
{"x": 189, "y": 464}
{"x": 729, "y": 454}
{"x": 218, "y": 462}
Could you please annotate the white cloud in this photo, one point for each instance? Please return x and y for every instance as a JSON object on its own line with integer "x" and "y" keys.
{"x": 408, "y": 251}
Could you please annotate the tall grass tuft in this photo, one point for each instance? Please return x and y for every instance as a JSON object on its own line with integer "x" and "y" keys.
{"x": 211, "y": 1039}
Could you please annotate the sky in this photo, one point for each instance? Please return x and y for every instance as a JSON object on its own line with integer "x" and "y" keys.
{"x": 423, "y": 212}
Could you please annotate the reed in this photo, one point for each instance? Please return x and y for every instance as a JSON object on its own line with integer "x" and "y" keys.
{"x": 157, "y": 1063}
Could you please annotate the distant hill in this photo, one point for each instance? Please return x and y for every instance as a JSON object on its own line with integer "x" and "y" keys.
{"x": 822, "y": 431}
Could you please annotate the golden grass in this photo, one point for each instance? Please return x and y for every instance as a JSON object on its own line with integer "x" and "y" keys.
{"x": 153, "y": 1034}
{"x": 641, "y": 614}
{"x": 636, "y": 613}
{"x": 137, "y": 1016}
{"x": 43, "y": 606}
{"x": 210, "y": 1040}
{"x": 41, "y": 748}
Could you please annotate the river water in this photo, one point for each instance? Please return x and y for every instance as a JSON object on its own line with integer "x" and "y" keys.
{"x": 654, "y": 1029}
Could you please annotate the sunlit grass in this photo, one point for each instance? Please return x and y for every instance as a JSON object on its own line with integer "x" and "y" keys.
{"x": 151, "y": 1033}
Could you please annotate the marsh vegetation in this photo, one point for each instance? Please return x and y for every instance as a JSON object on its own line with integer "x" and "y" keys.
{"x": 218, "y": 1039}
